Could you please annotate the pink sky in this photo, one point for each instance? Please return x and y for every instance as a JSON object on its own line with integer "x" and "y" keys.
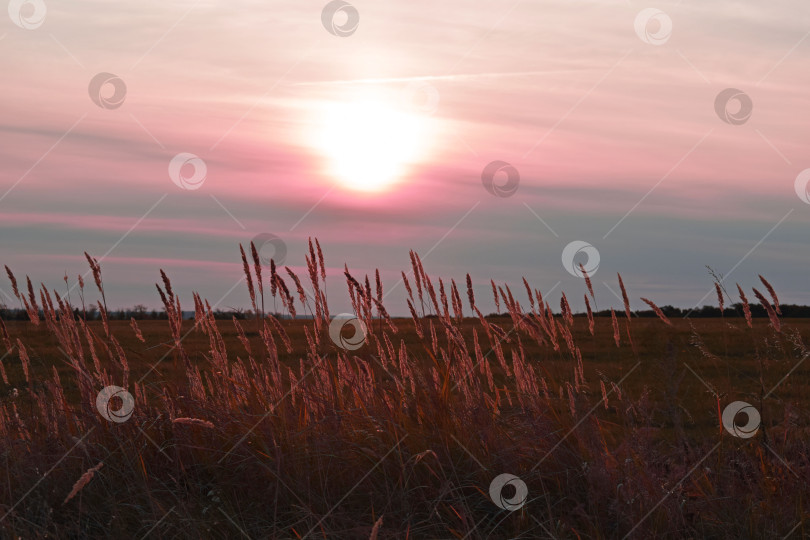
{"x": 616, "y": 141}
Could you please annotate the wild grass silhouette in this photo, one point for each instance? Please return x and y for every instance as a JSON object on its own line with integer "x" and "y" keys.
{"x": 266, "y": 428}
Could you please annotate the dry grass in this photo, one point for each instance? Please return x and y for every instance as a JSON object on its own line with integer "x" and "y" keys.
{"x": 266, "y": 429}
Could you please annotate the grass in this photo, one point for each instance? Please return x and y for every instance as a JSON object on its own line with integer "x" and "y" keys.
{"x": 235, "y": 434}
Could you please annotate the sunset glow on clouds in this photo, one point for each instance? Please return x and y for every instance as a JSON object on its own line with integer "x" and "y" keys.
{"x": 617, "y": 143}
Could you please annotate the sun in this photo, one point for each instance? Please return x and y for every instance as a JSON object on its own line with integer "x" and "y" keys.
{"x": 369, "y": 144}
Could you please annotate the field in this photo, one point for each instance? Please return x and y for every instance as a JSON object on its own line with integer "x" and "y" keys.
{"x": 275, "y": 428}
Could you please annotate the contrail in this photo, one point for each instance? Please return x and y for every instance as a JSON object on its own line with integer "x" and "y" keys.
{"x": 438, "y": 77}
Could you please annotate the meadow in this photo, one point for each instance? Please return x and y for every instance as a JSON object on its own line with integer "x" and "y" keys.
{"x": 271, "y": 427}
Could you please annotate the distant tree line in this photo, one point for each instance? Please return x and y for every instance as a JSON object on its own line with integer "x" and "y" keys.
{"x": 705, "y": 312}
{"x": 734, "y": 310}
{"x": 138, "y": 312}
{"x": 142, "y": 313}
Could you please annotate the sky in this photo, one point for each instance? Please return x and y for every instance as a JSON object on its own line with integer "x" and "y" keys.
{"x": 160, "y": 135}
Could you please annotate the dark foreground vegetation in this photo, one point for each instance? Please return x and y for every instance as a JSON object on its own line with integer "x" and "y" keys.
{"x": 262, "y": 427}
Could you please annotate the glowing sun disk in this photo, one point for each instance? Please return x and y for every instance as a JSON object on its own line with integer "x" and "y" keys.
{"x": 370, "y": 144}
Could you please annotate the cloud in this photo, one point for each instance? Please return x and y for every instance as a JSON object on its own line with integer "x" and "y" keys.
{"x": 591, "y": 117}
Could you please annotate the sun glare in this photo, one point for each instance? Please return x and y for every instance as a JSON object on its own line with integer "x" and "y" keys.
{"x": 370, "y": 144}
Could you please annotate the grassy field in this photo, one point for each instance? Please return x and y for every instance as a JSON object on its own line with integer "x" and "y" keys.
{"x": 744, "y": 364}
{"x": 263, "y": 428}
